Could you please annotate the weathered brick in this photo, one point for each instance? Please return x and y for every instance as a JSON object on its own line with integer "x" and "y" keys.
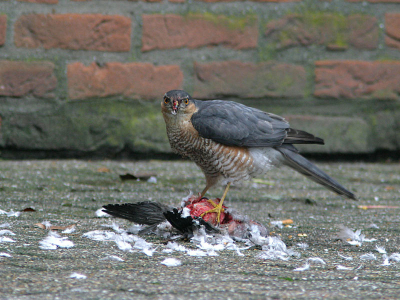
{"x": 248, "y": 80}
{"x": 357, "y": 79}
{"x": 41, "y": 1}
{"x": 3, "y": 29}
{"x": 386, "y": 130}
{"x": 132, "y": 80}
{"x": 341, "y": 134}
{"x": 18, "y": 79}
{"x": 198, "y": 30}
{"x": 332, "y": 30}
{"x": 392, "y": 25}
{"x": 73, "y": 31}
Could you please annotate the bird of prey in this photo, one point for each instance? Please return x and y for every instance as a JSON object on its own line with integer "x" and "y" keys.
{"x": 232, "y": 142}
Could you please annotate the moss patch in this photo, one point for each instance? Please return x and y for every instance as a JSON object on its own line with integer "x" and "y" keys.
{"x": 310, "y": 27}
{"x": 230, "y": 22}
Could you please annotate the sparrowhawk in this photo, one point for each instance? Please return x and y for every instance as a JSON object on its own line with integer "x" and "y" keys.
{"x": 232, "y": 142}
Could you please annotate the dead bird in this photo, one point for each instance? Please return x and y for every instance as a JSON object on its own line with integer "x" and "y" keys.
{"x": 186, "y": 218}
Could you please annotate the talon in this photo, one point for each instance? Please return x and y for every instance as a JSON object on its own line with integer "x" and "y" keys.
{"x": 217, "y": 209}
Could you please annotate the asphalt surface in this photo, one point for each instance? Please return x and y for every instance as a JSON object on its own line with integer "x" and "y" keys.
{"x": 69, "y": 192}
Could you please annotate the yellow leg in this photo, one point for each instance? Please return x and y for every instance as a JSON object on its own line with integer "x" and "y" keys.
{"x": 204, "y": 192}
{"x": 218, "y": 208}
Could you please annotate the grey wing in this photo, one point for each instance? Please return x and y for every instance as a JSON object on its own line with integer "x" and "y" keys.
{"x": 235, "y": 124}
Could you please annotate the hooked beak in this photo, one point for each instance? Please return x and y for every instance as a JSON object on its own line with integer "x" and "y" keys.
{"x": 175, "y": 105}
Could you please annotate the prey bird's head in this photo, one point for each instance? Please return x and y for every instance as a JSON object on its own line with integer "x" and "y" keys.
{"x": 177, "y": 102}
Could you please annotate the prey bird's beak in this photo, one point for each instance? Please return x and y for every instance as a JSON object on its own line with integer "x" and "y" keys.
{"x": 175, "y": 105}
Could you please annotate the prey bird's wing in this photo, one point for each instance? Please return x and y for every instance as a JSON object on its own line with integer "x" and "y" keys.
{"x": 235, "y": 124}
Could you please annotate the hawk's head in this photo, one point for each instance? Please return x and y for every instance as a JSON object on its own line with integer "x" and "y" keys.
{"x": 177, "y": 101}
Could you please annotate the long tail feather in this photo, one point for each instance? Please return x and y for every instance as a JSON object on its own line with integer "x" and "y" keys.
{"x": 299, "y": 163}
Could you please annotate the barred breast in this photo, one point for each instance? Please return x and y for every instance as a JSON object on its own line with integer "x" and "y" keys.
{"x": 220, "y": 163}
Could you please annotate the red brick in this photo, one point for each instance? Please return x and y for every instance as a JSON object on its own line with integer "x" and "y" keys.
{"x": 197, "y": 30}
{"x": 392, "y": 25}
{"x": 332, "y": 30}
{"x": 3, "y": 29}
{"x": 132, "y": 80}
{"x": 18, "y": 79}
{"x": 73, "y": 31}
{"x": 357, "y": 79}
{"x": 41, "y": 1}
{"x": 248, "y": 80}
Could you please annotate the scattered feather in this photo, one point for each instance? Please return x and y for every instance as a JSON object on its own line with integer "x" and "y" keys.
{"x": 380, "y": 249}
{"x": 112, "y": 257}
{"x": 305, "y": 267}
{"x": 350, "y": 236}
{"x": 348, "y": 258}
{"x": 10, "y": 213}
{"x": 4, "y": 254}
{"x": 395, "y": 257}
{"x": 101, "y": 214}
{"x": 100, "y": 235}
{"x": 122, "y": 244}
{"x": 343, "y": 268}
{"x": 114, "y": 226}
{"x": 373, "y": 226}
{"x": 303, "y": 246}
{"x": 316, "y": 260}
{"x": 134, "y": 229}
{"x": 276, "y": 224}
{"x": 185, "y": 212}
{"x": 197, "y": 252}
{"x": 176, "y": 247}
{"x": 54, "y": 241}
{"x": 77, "y": 276}
{"x": 152, "y": 179}
{"x": 69, "y": 229}
{"x": 355, "y": 243}
{"x": 171, "y": 262}
{"x": 5, "y": 239}
{"x": 368, "y": 256}
{"x": 274, "y": 248}
{"x": 141, "y": 244}
{"x": 6, "y": 232}
{"x": 149, "y": 251}
{"x": 186, "y": 199}
{"x": 385, "y": 260}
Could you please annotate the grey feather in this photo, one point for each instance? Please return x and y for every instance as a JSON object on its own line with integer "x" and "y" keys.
{"x": 299, "y": 163}
{"x": 234, "y": 124}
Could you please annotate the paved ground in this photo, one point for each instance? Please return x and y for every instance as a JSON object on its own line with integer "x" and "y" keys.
{"x": 69, "y": 192}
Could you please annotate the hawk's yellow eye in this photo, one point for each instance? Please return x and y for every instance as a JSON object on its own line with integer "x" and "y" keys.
{"x": 166, "y": 100}
{"x": 186, "y": 101}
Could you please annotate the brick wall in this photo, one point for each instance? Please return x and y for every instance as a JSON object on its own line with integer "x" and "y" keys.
{"x": 88, "y": 76}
